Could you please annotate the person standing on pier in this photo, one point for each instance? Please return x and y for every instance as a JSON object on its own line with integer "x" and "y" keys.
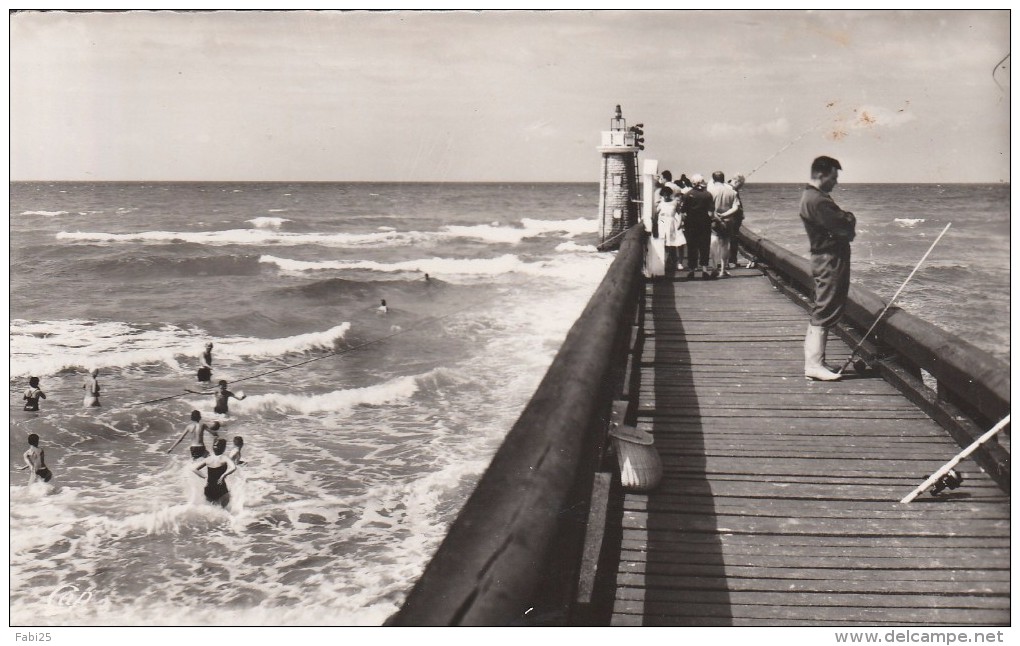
{"x": 830, "y": 231}
{"x": 726, "y": 206}
{"x": 698, "y": 209}
{"x": 738, "y": 218}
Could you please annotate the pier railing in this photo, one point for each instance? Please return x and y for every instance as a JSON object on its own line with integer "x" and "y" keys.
{"x": 495, "y": 566}
{"x": 513, "y": 552}
{"x": 972, "y": 386}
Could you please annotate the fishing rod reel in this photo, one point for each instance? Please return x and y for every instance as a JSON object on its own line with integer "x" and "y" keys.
{"x": 951, "y": 480}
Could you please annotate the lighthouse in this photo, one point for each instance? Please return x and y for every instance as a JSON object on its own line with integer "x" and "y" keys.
{"x": 618, "y": 180}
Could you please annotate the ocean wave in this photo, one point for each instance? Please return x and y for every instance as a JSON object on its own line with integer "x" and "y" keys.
{"x": 570, "y": 245}
{"x": 575, "y": 227}
{"x": 48, "y": 347}
{"x": 253, "y": 237}
{"x": 439, "y": 266}
{"x": 266, "y": 232}
{"x": 139, "y": 267}
{"x": 488, "y": 233}
{"x": 48, "y": 214}
{"x": 265, "y": 222}
{"x": 388, "y": 392}
{"x": 908, "y": 222}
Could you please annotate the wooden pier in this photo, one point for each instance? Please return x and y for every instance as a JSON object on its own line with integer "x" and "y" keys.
{"x": 779, "y": 502}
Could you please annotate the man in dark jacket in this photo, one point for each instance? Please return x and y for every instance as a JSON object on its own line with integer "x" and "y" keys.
{"x": 830, "y": 231}
{"x": 699, "y": 209}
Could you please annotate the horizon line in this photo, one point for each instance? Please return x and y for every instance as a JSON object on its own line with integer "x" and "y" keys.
{"x": 422, "y": 181}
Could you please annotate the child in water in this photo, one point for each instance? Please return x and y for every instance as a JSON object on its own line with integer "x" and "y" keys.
{"x": 222, "y": 395}
{"x": 33, "y": 394}
{"x": 35, "y": 459}
{"x": 91, "y": 389}
{"x": 235, "y": 452}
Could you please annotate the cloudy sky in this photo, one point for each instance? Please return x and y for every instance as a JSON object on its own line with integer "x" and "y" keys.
{"x": 911, "y": 96}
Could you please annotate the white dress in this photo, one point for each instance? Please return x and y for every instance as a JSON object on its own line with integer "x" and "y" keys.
{"x": 655, "y": 252}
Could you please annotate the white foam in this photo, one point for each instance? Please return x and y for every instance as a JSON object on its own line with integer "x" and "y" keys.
{"x": 249, "y": 237}
{"x": 488, "y": 233}
{"x": 47, "y": 347}
{"x": 336, "y": 401}
{"x": 576, "y": 266}
{"x": 265, "y": 222}
{"x": 570, "y": 245}
{"x": 463, "y": 266}
{"x": 48, "y": 214}
{"x": 908, "y": 222}
{"x": 570, "y": 227}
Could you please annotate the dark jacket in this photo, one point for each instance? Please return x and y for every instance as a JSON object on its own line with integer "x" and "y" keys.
{"x": 829, "y": 228}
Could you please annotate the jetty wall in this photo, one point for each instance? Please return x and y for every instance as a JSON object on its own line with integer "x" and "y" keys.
{"x": 512, "y": 555}
{"x": 503, "y": 560}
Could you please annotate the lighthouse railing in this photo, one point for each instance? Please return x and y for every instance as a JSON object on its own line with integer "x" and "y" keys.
{"x": 494, "y": 564}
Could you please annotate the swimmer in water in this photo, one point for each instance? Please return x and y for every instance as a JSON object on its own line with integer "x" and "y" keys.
{"x": 382, "y": 309}
{"x": 205, "y": 371}
{"x": 222, "y": 395}
{"x": 33, "y": 394}
{"x": 197, "y": 428}
{"x": 218, "y": 468}
{"x": 35, "y": 459}
{"x": 91, "y": 389}
{"x": 235, "y": 452}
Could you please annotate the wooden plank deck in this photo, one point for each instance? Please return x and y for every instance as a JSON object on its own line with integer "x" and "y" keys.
{"x": 780, "y": 499}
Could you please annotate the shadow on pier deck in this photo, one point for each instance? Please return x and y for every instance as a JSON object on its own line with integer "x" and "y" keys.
{"x": 779, "y": 504}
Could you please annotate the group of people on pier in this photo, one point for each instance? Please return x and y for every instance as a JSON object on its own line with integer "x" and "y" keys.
{"x": 696, "y": 221}
{"x": 704, "y": 219}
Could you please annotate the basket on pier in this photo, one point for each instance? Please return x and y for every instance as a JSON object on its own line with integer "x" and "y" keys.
{"x": 640, "y": 465}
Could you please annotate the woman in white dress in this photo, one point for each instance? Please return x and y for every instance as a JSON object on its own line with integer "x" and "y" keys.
{"x": 671, "y": 227}
{"x": 655, "y": 252}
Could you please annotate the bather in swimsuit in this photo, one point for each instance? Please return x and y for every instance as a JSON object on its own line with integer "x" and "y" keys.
{"x": 214, "y": 491}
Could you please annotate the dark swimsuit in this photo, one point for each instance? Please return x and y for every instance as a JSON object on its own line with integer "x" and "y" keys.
{"x": 221, "y": 404}
{"x": 199, "y": 452}
{"x": 44, "y": 474}
{"x": 32, "y": 403}
{"x": 214, "y": 491}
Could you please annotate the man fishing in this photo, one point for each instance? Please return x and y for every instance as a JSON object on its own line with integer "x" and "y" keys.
{"x": 830, "y": 231}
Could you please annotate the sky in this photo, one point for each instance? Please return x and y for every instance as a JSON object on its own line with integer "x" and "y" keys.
{"x": 896, "y": 96}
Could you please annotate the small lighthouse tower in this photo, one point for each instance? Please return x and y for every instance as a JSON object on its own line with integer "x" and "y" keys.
{"x": 618, "y": 181}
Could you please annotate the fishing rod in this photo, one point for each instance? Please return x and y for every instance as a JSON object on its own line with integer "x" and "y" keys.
{"x": 947, "y": 468}
{"x": 853, "y": 353}
{"x": 786, "y": 146}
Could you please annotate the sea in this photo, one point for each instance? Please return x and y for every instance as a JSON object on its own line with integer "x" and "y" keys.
{"x": 364, "y": 431}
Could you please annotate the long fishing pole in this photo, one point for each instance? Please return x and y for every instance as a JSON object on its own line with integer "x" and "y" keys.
{"x": 786, "y": 146}
{"x": 948, "y": 466}
{"x": 853, "y": 353}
